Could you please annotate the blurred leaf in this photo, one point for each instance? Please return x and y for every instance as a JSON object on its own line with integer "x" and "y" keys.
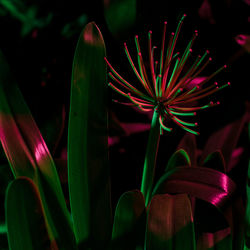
{"x": 120, "y": 15}
{"x": 170, "y": 223}
{"x": 225, "y": 140}
{"x": 178, "y": 159}
{"x": 129, "y": 221}
{"x": 215, "y": 161}
{"x": 24, "y": 216}
{"x": 60, "y": 225}
{"x": 21, "y": 139}
{"x": 89, "y": 179}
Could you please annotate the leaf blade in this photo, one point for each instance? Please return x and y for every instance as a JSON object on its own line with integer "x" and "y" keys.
{"x": 89, "y": 183}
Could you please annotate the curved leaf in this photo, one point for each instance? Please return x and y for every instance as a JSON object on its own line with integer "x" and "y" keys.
{"x": 178, "y": 159}
{"x": 204, "y": 183}
{"x": 170, "y": 223}
{"x": 26, "y": 224}
{"x": 215, "y": 161}
{"x": 188, "y": 143}
{"x": 129, "y": 221}
{"x": 89, "y": 180}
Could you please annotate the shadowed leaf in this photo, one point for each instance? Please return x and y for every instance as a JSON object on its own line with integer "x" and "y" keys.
{"x": 24, "y": 216}
{"x": 129, "y": 221}
{"x": 89, "y": 181}
{"x": 170, "y": 223}
{"x": 220, "y": 240}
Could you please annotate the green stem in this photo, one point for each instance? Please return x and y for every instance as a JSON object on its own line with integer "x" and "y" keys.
{"x": 150, "y": 158}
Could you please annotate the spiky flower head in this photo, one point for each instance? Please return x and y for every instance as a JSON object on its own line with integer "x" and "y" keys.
{"x": 167, "y": 89}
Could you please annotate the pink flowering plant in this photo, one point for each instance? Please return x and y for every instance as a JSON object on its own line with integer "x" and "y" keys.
{"x": 165, "y": 89}
{"x": 160, "y": 215}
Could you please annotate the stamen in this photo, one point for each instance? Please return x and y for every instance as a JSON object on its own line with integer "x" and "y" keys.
{"x": 132, "y": 64}
{"x": 163, "y": 126}
{"x": 151, "y": 59}
{"x": 162, "y": 53}
{"x": 124, "y": 81}
{"x": 186, "y": 128}
{"x": 182, "y": 113}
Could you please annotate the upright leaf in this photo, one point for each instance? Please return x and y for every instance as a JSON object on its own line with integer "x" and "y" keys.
{"x": 24, "y": 216}
{"x": 188, "y": 143}
{"x": 89, "y": 180}
{"x": 170, "y": 223}
{"x": 179, "y": 159}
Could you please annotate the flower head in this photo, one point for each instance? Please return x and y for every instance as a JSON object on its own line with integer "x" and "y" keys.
{"x": 165, "y": 85}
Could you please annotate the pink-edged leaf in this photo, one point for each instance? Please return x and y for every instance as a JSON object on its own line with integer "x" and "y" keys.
{"x": 129, "y": 221}
{"x": 21, "y": 139}
{"x": 225, "y": 140}
{"x": 178, "y": 159}
{"x": 204, "y": 183}
{"x": 188, "y": 143}
{"x": 220, "y": 240}
{"x": 170, "y": 223}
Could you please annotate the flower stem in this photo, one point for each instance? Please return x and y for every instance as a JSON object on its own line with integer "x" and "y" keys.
{"x": 150, "y": 158}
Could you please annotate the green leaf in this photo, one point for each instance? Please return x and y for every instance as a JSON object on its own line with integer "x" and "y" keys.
{"x": 26, "y": 224}
{"x": 60, "y": 225}
{"x": 120, "y": 15}
{"x": 170, "y": 223}
{"x": 129, "y": 221}
{"x": 179, "y": 159}
{"x": 188, "y": 143}
{"x": 21, "y": 139}
{"x": 89, "y": 177}
{"x": 215, "y": 161}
